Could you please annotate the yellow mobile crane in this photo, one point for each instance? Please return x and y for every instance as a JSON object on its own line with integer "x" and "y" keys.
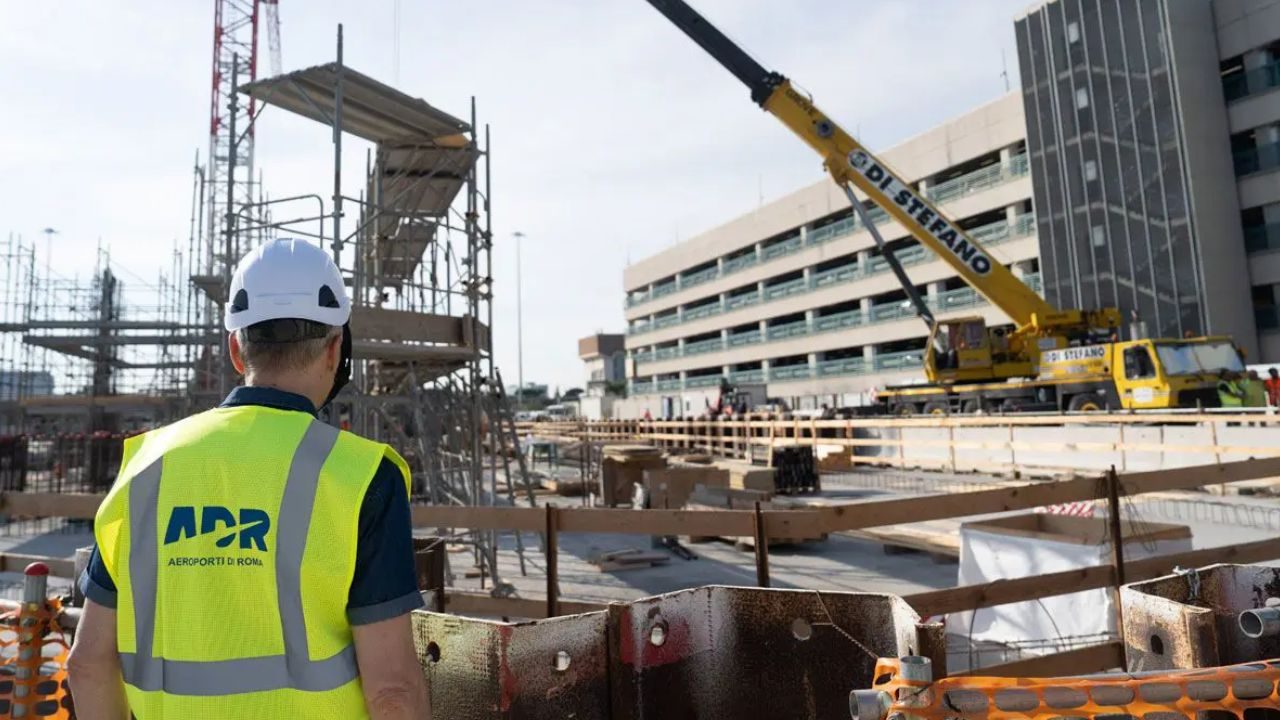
{"x": 1051, "y": 359}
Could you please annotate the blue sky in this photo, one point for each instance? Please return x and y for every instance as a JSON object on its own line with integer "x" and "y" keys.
{"x": 614, "y": 136}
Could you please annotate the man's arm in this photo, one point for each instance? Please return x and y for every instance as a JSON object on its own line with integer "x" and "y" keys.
{"x": 394, "y": 688}
{"x": 93, "y": 667}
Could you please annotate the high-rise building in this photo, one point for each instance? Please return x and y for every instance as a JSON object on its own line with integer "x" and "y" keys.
{"x": 1130, "y": 147}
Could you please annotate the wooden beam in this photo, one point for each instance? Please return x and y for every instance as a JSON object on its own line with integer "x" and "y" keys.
{"x": 999, "y": 592}
{"x": 68, "y": 505}
{"x": 478, "y": 518}
{"x": 1092, "y": 659}
{"x": 58, "y": 567}
{"x": 470, "y": 603}
{"x": 404, "y": 326}
{"x": 724, "y": 523}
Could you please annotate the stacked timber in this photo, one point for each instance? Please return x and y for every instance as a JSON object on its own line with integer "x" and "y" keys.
{"x": 622, "y": 468}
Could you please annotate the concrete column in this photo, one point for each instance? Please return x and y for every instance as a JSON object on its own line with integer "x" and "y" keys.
{"x": 764, "y": 329}
{"x": 1005, "y": 154}
{"x": 680, "y": 346}
{"x": 1021, "y": 269}
{"x": 865, "y": 304}
{"x": 809, "y": 316}
{"x": 759, "y": 249}
{"x": 1011, "y": 213}
{"x": 813, "y": 364}
{"x": 765, "y": 365}
{"x": 923, "y": 185}
{"x": 1256, "y": 60}
{"x": 724, "y": 336}
{"x": 720, "y": 265}
{"x": 869, "y": 353}
{"x": 808, "y": 276}
{"x": 804, "y": 233}
{"x": 933, "y": 289}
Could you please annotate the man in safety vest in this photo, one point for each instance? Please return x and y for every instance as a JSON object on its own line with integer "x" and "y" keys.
{"x": 1230, "y": 393}
{"x": 251, "y": 560}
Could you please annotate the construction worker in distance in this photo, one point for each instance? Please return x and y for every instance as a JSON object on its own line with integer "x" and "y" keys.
{"x": 1273, "y": 387}
{"x": 251, "y": 560}
{"x": 1255, "y": 392}
{"x": 1229, "y": 392}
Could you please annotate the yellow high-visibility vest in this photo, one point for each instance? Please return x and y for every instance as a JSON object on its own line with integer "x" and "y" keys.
{"x": 231, "y": 537}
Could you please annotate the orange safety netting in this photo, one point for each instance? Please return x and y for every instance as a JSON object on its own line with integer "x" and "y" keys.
{"x": 33, "y": 663}
{"x": 1233, "y": 690}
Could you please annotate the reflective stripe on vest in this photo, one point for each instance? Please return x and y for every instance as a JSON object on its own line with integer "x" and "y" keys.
{"x": 292, "y": 670}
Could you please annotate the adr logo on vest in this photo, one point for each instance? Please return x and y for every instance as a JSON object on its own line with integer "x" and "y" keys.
{"x": 251, "y": 529}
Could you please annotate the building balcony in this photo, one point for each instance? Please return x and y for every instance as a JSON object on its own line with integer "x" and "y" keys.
{"x": 1014, "y": 168}
{"x": 989, "y": 235}
{"x": 1257, "y": 159}
{"x": 945, "y": 302}
{"x": 1261, "y": 238}
{"x": 1257, "y": 80}
{"x": 888, "y": 362}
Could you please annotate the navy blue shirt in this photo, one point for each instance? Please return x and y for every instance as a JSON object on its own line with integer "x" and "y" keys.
{"x": 385, "y": 583}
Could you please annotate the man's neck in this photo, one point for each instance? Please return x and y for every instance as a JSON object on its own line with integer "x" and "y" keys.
{"x": 281, "y": 384}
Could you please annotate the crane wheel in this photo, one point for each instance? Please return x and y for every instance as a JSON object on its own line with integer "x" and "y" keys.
{"x": 1085, "y": 403}
{"x": 904, "y": 410}
{"x": 936, "y": 408}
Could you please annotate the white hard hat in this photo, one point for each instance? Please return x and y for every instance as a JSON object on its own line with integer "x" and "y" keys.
{"x": 287, "y": 279}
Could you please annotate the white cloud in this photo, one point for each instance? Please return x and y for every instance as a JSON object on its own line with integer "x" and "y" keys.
{"x": 613, "y": 134}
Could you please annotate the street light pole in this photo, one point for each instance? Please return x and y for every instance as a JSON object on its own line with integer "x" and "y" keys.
{"x": 519, "y": 327}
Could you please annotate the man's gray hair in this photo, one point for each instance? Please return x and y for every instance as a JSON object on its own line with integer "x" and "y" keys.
{"x": 276, "y": 357}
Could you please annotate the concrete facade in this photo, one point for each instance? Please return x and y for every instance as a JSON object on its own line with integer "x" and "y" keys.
{"x": 795, "y": 294}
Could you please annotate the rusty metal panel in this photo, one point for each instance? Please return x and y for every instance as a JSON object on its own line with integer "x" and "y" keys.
{"x": 725, "y": 652}
{"x": 708, "y": 653}
{"x": 1191, "y": 620}
{"x": 486, "y": 670}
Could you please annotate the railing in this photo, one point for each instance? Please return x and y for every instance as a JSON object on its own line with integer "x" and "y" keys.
{"x": 975, "y": 181}
{"x": 667, "y": 385}
{"x": 643, "y": 356}
{"x": 848, "y": 319}
{"x": 641, "y": 328}
{"x": 739, "y": 263}
{"x": 785, "y": 247}
{"x": 844, "y": 366}
{"x": 1260, "y": 238}
{"x": 899, "y": 361}
{"x": 1244, "y": 84}
{"x": 989, "y": 235}
{"x": 703, "y": 346}
{"x": 743, "y": 300}
{"x": 790, "y": 372}
{"x": 668, "y": 321}
{"x": 835, "y": 275}
{"x": 746, "y": 338}
{"x": 704, "y": 311}
{"x": 791, "y": 287}
{"x": 704, "y": 381}
{"x": 780, "y": 332}
{"x": 1257, "y": 159}
{"x": 666, "y": 353}
{"x": 747, "y": 376}
{"x": 697, "y": 278}
{"x": 989, "y": 176}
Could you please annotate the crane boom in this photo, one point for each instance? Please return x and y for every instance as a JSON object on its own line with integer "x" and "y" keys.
{"x": 849, "y": 163}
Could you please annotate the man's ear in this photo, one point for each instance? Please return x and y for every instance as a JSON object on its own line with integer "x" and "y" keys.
{"x": 236, "y": 352}
{"x": 333, "y": 354}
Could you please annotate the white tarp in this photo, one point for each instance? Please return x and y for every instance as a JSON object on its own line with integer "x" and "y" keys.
{"x": 988, "y": 554}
